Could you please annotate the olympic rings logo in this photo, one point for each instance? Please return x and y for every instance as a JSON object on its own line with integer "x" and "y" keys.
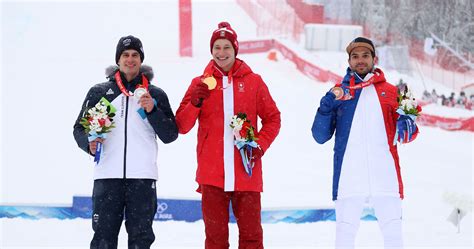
{"x": 161, "y": 207}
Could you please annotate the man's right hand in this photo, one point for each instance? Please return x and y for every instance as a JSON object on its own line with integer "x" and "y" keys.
{"x": 327, "y": 102}
{"x": 93, "y": 145}
{"x": 199, "y": 93}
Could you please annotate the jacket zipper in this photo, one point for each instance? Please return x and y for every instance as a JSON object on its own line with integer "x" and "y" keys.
{"x": 367, "y": 147}
{"x": 125, "y": 143}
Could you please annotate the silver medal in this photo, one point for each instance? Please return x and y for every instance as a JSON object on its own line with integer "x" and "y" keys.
{"x": 139, "y": 92}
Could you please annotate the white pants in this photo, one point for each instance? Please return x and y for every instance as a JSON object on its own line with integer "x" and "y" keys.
{"x": 388, "y": 211}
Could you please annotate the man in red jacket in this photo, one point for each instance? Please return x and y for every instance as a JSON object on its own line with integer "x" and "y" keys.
{"x": 221, "y": 175}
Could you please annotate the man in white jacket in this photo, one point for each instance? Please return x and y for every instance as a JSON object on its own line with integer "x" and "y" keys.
{"x": 126, "y": 172}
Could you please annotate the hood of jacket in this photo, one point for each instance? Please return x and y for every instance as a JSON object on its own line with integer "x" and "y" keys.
{"x": 144, "y": 69}
{"x": 239, "y": 69}
{"x": 377, "y": 73}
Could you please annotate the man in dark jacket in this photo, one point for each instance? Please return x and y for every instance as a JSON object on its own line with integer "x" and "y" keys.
{"x": 125, "y": 172}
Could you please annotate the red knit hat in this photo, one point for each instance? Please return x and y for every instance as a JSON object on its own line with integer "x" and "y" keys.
{"x": 224, "y": 31}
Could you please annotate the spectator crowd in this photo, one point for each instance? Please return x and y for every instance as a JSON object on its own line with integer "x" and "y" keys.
{"x": 460, "y": 101}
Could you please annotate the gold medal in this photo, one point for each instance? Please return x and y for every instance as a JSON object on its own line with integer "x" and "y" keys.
{"x": 210, "y": 82}
{"x": 338, "y": 92}
{"x": 138, "y": 93}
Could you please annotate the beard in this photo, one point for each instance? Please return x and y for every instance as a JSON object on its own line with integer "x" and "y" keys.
{"x": 363, "y": 70}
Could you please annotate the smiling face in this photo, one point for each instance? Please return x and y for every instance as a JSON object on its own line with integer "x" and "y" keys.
{"x": 129, "y": 63}
{"x": 361, "y": 60}
{"x": 223, "y": 54}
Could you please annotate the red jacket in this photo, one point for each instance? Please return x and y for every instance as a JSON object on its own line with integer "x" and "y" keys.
{"x": 250, "y": 96}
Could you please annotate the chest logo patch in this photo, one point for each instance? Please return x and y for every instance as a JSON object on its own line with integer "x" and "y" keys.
{"x": 109, "y": 92}
{"x": 240, "y": 85}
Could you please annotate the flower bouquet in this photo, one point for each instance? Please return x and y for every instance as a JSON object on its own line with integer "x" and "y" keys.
{"x": 98, "y": 121}
{"x": 409, "y": 110}
{"x": 244, "y": 139}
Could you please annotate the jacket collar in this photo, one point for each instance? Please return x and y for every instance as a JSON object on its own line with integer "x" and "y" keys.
{"x": 239, "y": 69}
{"x": 144, "y": 69}
{"x": 377, "y": 72}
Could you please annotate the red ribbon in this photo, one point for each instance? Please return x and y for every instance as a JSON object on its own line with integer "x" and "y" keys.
{"x": 122, "y": 88}
{"x": 352, "y": 86}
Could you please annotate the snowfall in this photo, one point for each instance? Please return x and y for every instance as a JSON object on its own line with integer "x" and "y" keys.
{"x": 53, "y": 52}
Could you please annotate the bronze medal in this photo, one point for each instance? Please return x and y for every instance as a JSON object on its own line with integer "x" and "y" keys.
{"x": 338, "y": 92}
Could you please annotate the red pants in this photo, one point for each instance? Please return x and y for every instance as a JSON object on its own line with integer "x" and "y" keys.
{"x": 246, "y": 208}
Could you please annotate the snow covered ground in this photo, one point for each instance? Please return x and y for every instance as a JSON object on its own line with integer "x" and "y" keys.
{"x": 52, "y": 53}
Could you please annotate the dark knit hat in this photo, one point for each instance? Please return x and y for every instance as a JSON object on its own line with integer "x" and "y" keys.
{"x": 129, "y": 42}
{"x": 361, "y": 42}
{"x": 224, "y": 31}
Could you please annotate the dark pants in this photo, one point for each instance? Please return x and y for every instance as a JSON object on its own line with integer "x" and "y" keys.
{"x": 114, "y": 198}
{"x": 247, "y": 211}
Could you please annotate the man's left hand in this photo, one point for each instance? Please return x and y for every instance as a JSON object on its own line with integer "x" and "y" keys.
{"x": 407, "y": 129}
{"x": 257, "y": 153}
{"x": 146, "y": 102}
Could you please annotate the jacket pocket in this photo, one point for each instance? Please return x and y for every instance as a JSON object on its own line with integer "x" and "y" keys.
{"x": 202, "y": 138}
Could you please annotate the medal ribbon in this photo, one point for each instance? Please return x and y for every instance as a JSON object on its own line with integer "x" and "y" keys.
{"x": 122, "y": 88}
{"x": 209, "y": 73}
{"x": 245, "y": 149}
{"x": 352, "y": 86}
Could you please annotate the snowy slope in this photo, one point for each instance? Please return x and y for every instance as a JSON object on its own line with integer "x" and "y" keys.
{"x": 52, "y": 53}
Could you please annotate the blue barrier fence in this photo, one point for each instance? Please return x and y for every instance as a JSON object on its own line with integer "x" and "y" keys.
{"x": 171, "y": 209}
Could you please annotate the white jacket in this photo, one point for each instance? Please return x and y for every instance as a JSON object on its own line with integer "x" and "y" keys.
{"x": 130, "y": 149}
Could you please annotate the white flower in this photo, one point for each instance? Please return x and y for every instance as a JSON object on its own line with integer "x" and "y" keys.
{"x": 99, "y": 111}
{"x": 101, "y": 107}
{"x": 95, "y": 126}
{"x": 239, "y": 124}
{"x": 236, "y": 123}
{"x": 407, "y": 104}
{"x": 92, "y": 112}
{"x": 408, "y": 94}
